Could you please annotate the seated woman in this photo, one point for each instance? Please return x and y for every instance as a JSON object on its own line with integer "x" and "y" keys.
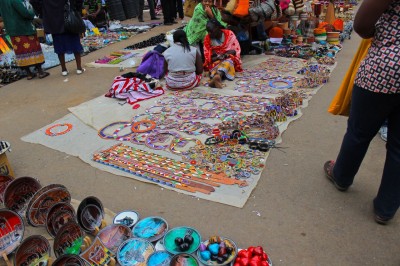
{"x": 95, "y": 13}
{"x": 183, "y": 62}
{"x": 196, "y": 27}
{"x": 222, "y": 54}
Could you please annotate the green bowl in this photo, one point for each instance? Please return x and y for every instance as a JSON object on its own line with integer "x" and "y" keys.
{"x": 169, "y": 239}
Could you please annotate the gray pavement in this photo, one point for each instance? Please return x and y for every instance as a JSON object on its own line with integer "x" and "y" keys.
{"x": 303, "y": 219}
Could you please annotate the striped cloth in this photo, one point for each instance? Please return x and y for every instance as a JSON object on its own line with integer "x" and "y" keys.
{"x": 182, "y": 81}
{"x": 133, "y": 89}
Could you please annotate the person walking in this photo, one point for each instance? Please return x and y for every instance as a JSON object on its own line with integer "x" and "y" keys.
{"x": 18, "y": 18}
{"x": 376, "y": 97}
{"x": 152, "y": 10}
{"x": 64, "y": 42}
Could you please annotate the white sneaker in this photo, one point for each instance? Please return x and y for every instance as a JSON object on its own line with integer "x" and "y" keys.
{"x": 80, "y": 71}
{"x": 383, "y": 131}
{"x": 64, "y": 73}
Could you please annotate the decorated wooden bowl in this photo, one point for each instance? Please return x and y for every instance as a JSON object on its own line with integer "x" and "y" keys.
{"x": 68, "y": 240}
{"x": 128, "y": 218}
{"x": 43, "y": 200}
{"x": 184, "y": 259}
{"x": 90, "y": 214}
{"x": 114, "y": 235}
{"x": 11, "y": 231}
{"x": 150, "y": 228}
{"x": 134, "y": 252}
{"x": 19, "y": 192}
{"x": 57, "y": 216}
{"x": 182, "y": 240}
{"x": 159, "y": 258}
{"x": 69, "y": 260}
{"x": 4, "y": 181}
{"x": 217, "y": 251}
{"x": 33, "y": 251}
{"x": 97, "y": 254}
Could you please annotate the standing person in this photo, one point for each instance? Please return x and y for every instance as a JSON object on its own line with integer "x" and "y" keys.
{"x": 221, "y": 53}
{"x": 376, "y": 96}
{"x": 151, "y": 7}
{"x": 196, "y": 28}
{"x": 179, "y": 10}
{"x": 64, "y": 42}
{"x": 168, "y": 10}
{"x": 184, "y": 64}
{"x": 18, "y": 16}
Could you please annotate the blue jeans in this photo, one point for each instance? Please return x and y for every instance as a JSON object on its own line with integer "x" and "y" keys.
{"x": 367, "y": 113}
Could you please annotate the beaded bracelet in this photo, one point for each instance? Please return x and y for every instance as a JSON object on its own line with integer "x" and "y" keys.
{"x": 125, "y": 137}
{"x": 49, "y": 131}
{"x": 136, "y": 126}
{"x": 108, "y": 136}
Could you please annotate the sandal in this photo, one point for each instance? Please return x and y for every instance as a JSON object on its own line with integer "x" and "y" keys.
{"x": 43, "y": 75}
{"x": 328, "y": 169}
{"x": 29, "y": 77}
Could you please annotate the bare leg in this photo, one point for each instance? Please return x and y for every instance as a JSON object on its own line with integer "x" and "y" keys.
{"x": 61, "y": 57}
{"x": 29, "y": 73}
{"x": 41, "y": 72}
{"x": 78, "y": 61}
{"x": 216, "y": 81}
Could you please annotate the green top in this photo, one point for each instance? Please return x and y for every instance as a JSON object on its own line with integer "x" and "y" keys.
{"x": 17, "y": 17}
{"x": 196, "y": 28}
{"x": 93, "y": 5}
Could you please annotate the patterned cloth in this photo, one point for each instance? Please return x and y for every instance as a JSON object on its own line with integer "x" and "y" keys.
{"x": 133, "y": 90}
{"x": 225, "y": 66}
{"x": 196, "y": 28}
{"x": 230, "y": 43}
{"x": 28, "y": 51}
{"x": 379, "y": 72}
{"x": 182, "y": 81}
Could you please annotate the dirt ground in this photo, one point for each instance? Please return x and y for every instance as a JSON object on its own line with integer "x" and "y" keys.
{"x": 294, "y": 212}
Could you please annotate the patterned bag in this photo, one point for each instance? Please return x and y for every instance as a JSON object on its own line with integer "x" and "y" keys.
{"x": 188, "y": 7}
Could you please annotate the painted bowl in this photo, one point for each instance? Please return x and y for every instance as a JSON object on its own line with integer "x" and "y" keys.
{"x": 4, "y": 181}
{"x": 181, "y": 232}
{"x": 114, "y": 235}
{"x": 218, "y": 240}
{"x": 74, "y": 260}
{"x": 150, "y": 228}
{"x": 19, "y": 192}
{"x": 134, "y": 252}
{"x": 97, "y": 254}
{"x": 159, "y": 258}
{"x": 11, "y": 231}
{"x": 90, "y": 214}
{"x": 35, "y": 250}
{"x": 128, "y": 218}
{"x": 43, "y": 200}
{"x": 68, "y": 240}
{"x": 58, "y": 215}
{"x": 184, "y": 259}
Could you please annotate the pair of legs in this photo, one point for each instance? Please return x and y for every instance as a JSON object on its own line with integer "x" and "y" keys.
{"x": 368, "y": 112}
{"x": 151, "y": 7}
{"x": 78, "y": 60}
{"x": 39, "y": 69}
{"x": 169, "y": 11}
{"x": 216, "y": 80}
{"x": 179, "y": 9}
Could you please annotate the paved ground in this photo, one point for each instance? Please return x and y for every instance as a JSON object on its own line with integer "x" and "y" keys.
{"x": 303, "y": 219}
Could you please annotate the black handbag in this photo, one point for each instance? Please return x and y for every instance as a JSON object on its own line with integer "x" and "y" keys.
{"x": 73, "y": 22}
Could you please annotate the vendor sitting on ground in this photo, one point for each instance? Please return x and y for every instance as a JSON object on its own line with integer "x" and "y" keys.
{"x": 183, "y": 62}
{"x": 222, "y": 54}
{"x": 95, "y": 13}
{"x": 240, "y": 28}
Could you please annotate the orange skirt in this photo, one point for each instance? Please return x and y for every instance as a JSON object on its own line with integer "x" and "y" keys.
{"x": 28, "y": 51}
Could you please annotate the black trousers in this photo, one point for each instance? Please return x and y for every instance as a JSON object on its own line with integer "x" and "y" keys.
{"x": 179, "y": 9}
{"x": 151, "y": 7}
{"x": 169, "y": 9}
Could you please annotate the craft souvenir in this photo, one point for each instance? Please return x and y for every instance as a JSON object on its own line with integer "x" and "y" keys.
{"x": 43, "y": 200}
{"x": 68, "y": 240}
{"x": 98, "y": 254}
{"x": 90, "y": 214}
{"x": 11, "y": 231}
{"x": 33, "y": 251}
{"x": 150, "y": 228}
{"x": 252, "y": 256}
{"x": 128, "y": 218}
{"x": 184, "y": 259}
{"x": 159, "y": 246}
{"x": 19, "y": 192}
{"x": 69, "y": 260}
{"x": 58, "y": 215}
{"x": 4, "y": 181}
{"x": 159, "y": 258}
{"x": 114, "y": 235}
{"x": 134, "y": 252}
{"x": 182, "y": 240}
{"x": 217, "y": 251}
